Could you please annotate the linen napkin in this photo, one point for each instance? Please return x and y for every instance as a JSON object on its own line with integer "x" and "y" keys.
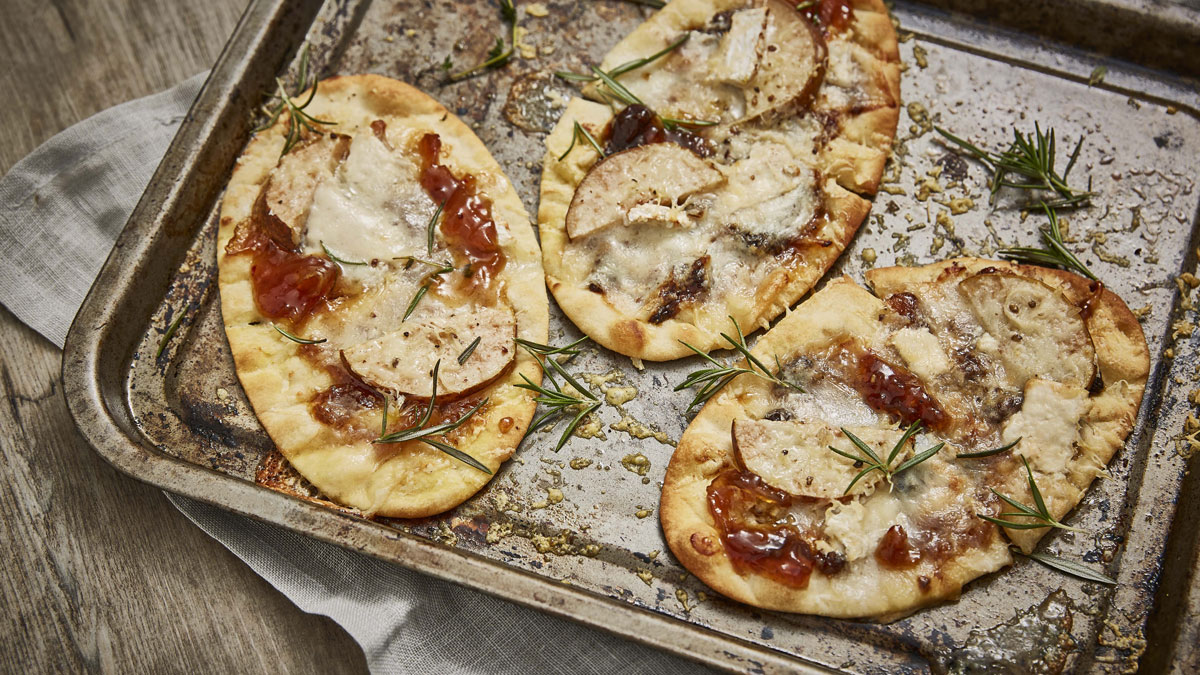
{"x": 61, "y": 208}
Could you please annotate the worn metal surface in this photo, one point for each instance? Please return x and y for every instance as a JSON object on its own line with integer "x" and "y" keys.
{"x": 577, "y": 533}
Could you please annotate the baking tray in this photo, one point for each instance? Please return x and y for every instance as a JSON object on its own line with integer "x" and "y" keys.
{"x": 150, "y": 381}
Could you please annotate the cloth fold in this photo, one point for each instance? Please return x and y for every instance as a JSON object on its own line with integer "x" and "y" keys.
{"x": 61, "y": 208}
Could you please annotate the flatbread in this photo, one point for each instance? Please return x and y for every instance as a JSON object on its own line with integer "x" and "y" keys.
{"x": 931, "y": 331}
{"x": 352, "y": 192}
{"x": 656, "y": 252}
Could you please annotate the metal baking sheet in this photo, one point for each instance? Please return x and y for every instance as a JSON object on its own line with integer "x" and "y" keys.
{"x": 576, "y": 533}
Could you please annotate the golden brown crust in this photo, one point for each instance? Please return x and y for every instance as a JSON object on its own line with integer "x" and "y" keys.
{"x": 409, "y": 480}
{"x": 844, "y": 309}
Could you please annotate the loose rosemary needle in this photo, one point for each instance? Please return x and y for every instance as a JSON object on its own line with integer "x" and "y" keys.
{"x": 425, "y": 434}
{"x": 988, "y": 453}
{"x": 337, "y": 259}
{"x": 298, "y": 119}
{"x": 466, "y": 353}
{"x": 296, "y": 338}
{"x": 558, "y": 401}
{"x": 170, "y": 333}
{"x": 1073, "y": 568}
{"x": 499, "y": 55}
{"x": 628, "y": 65}
{"x": 709, "y": 381}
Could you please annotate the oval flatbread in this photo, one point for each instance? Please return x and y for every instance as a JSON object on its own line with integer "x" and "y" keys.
{"x": 373, "y": 280}
{"x": 766, "y": 501}
{"x": 732, "y": 170}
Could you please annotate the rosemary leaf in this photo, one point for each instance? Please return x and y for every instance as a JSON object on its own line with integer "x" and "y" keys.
{"x": 298, "y": 119}
{"x": 581, "y": 132}
{"x": 988, "y": 453}
{"x": 162, "y": 344}
{"x": 466, "y": 354}
{"x": 295, "y": 338}
{"x": 419, "y": 432}
{"x": 1073, "y": 568}
{"x": 457, "y": 454}
{"x": 416, "y": 298}
{"x": 341, "y": 261}
{"x": 618, "y": 89}
{"x": 383, "y": 429}
{"x": 673, "y": 123}
{"x": 429, "y": 229}
{"x": 546, "y": 350}
{"x": 438, "y": 267}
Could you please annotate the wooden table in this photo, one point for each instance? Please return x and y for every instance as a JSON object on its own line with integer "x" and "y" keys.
{"x": 100, "y": 572}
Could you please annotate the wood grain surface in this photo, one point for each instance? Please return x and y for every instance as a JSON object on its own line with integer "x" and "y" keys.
{"x": 100, "y": 572}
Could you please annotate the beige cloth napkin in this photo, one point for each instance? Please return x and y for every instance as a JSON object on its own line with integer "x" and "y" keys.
{"x": 61, "y": 208}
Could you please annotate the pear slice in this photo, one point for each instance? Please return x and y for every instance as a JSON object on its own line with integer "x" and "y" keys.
{"x": 643, "y": 185}
{"x": 1038, "y": 333}
{"x": 794, "y": 456}
{"x": 402, "y": 360}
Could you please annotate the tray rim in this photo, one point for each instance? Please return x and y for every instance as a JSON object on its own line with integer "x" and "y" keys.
{"x": 100, "y": 413}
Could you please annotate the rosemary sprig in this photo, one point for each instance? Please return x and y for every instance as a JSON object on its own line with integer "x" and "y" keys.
{"x": 1031, "y": 158}
{"x": 341, "y": 261}
{"x": 429, "y": 229}
{"x": 466, "y": 354}
{"x": 1073, "y": 568}
{"x": 557, "y": 401}
{"x": 628, "y": 65}
{"x": 580, "y": 131}
{"x": 988, "y": 453}
{"x": 1055, "y": 254}
{"x": 1038, "y": 513}
{"x": 296, "y": 338}
{"x": 499, "y": 55}
{"x": 710, "y": 380}
{"x": 874, "y": 463}
{"x": 298, "y": 120}
{"x": 162, "y": 344}
{"x": 420, "y": 432}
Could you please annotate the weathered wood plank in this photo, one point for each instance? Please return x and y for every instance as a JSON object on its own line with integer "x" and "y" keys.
{"x": 100, "y": 572}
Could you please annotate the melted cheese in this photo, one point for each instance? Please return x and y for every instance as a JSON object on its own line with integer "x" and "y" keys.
{"x": 373, "y": 208}
{"x": 1048, "y": 424}
{"x": 858, "y": 526}
{"x": 921, "y": 351}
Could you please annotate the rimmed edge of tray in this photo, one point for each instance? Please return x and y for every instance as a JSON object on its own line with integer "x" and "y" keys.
{"x": 97, "y": 398}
